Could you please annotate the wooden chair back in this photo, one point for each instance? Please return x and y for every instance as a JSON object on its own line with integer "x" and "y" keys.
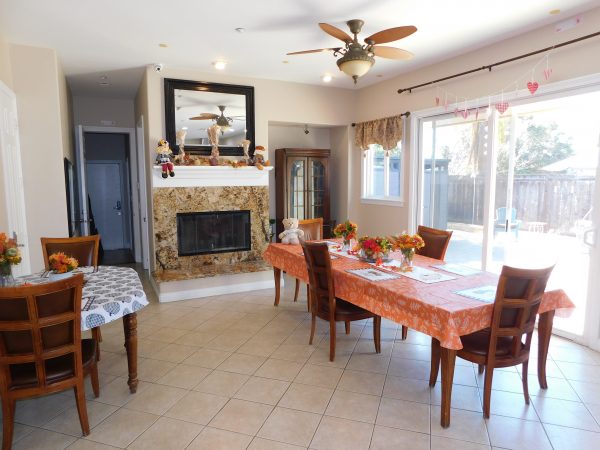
{"x": 518, "y": 297}
{"x": 322, "y": 290}
{"x": 40, "y": 337}
{"x": 84, "y": 249}
{"x": 313, "y": 228}
{"x": 436, "y": 242}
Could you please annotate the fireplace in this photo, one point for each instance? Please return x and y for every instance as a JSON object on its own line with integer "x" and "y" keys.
{"x": 201, "y": 233}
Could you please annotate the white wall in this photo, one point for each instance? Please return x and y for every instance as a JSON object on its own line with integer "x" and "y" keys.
{"x": 92, "y": 111}
{"x": 6, "y": 78}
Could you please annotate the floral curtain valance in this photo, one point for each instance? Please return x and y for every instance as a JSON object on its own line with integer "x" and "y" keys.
{"x": 386, "y": 132}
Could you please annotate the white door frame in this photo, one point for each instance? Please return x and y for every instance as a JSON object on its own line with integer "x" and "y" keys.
{"x": 141, "y": 193}
{"x": 13, "y": 182}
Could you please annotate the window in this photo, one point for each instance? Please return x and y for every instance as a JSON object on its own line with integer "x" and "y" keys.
{"x": 382, "y": 175}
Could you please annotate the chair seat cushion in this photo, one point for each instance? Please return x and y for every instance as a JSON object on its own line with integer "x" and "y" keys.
{"x": 57, "y": 369}
{"x": 344, "y": 309}
{"x": 478, "y": 343}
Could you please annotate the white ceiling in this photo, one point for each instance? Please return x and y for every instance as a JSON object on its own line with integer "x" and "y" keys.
{"x": 118, "y": 38}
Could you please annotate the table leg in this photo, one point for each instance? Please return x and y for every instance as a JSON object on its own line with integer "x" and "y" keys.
{"x": 448, "y": 360}
{"x": 544, "y": 333}
{"x": 277, "y": 274}
{"x": 130, "y": 329}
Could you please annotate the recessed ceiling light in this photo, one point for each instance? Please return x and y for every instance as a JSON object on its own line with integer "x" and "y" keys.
{"x": 163, "y": 45}
{"x": 104, "y": 83}
{"x": 219, "y": 65}
{"x": 285, "y": 61}
{"x": 554, "y": 11}
{"x": 326, "y": 78}
{"x": 240, "y": 29}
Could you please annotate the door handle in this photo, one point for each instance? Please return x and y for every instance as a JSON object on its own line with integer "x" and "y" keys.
{"x": 118, "y": 206}
{"x": 590, "y": 232}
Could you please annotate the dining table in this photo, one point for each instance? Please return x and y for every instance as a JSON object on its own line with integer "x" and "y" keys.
{"x": 438, "y": 308}
{"x": 109, "y": 293}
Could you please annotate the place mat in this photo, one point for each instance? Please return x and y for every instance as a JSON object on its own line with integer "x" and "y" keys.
{"x": 485, "y": 294}
{"x": 372, "y": 274}
{"x": 457, "y": 269}
{"x": 427, "y": 276}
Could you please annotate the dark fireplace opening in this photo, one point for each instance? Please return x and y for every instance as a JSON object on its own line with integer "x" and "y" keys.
{"x": 201, "y": 233}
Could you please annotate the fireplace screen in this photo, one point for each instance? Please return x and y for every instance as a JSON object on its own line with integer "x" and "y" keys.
{"x": 202, "y": 233}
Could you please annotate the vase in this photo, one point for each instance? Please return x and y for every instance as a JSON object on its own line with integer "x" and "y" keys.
{"x": 346, "y": 245}
{"x": 59, "y": 276}
{"x": 407, "y": 259}
{"x": 373, "y": 257}
{"x": 6, "y": 277}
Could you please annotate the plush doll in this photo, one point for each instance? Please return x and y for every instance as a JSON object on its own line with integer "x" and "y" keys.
{"x": 260, "y": 157}
{"x": 163, "y": 157}
{"x": 291, "y": 234}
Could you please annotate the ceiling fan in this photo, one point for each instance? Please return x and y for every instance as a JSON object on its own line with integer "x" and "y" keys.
{"x": 221, "y": 120}
{"x": 356, "y": 58}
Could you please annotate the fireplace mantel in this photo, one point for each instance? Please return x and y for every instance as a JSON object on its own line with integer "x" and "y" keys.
{"x": 209, "y": 176}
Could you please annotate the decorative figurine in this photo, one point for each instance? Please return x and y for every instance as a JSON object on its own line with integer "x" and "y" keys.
{"x": 260, "y": 157}
{"x": 180, "y": 158}
{"x": 164, "y": 158}
{"x": 246, "y": 147}
{"x": 213, "y": 137}
{"x": 291, "y": 234}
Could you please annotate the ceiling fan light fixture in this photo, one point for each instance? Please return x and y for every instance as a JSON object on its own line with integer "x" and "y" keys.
{"x": 219, "y": 65}
{"x": 355, "y": 63}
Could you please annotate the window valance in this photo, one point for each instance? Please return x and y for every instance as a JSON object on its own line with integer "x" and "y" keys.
{"x": 386, "y": 132}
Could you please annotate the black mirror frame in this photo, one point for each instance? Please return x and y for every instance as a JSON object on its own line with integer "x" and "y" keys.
{"x": 248, "y": 91}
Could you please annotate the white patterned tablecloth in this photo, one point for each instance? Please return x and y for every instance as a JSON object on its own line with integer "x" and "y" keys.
{"x": 108, "y": 294}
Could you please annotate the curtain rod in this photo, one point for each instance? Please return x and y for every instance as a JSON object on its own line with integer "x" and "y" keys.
{"x": 404, "y": 114}
{"x": 489, "y": 67}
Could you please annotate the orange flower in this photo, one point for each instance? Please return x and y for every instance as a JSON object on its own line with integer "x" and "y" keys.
{"x": 61, "y": 263}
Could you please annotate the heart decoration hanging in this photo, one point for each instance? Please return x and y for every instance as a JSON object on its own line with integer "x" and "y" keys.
{"x": 532, "y": 86}
{"x": 502, "y": 107}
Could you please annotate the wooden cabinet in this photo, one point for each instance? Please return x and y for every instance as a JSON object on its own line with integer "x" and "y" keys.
{"x": 302, "y": 185}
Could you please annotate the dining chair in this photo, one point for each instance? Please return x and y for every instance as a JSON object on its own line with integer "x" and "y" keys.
{"x": 516, "y": 305}
{"x": 313, "y": 231}
{"x": 85, "y": 250}
{"x": 41, "y": 350}
{"x": 324, "y": 303}
{"x": 436, "y": 244}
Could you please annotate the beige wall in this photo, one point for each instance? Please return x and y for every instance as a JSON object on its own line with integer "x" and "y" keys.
{"x": 91, "y": 111}
{"x": 381, "y": 100}
{"x": 6, "y": 78}
{"x": 36, "y": 79}
{"x": 66, "y": 113}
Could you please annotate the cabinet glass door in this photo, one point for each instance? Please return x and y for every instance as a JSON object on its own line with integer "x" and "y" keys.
{"x": 316, "y": 188}
{"x": 296, "y": 188}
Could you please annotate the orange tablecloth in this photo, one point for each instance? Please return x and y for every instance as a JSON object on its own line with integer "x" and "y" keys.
{"x": 433, "y": 309}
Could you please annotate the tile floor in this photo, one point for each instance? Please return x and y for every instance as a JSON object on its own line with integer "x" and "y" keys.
{"x": 234, "y": 372}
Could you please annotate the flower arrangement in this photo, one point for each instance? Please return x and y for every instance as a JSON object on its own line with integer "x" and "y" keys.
{"x": 61, "y": 263}
{"x": 346, "y": 230}
{"x": 374, "y": 248}
{"x": 9, "y": 256}
{"x": 407, "y": 244}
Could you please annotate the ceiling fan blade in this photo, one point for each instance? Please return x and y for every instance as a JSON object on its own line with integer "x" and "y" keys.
{"x": 391, "y": 52}
{"x": 336, "y": 32}
{"x": 205, "y": 116}
{"x": 318, "y": 50}
{"x": 391, "y": 34}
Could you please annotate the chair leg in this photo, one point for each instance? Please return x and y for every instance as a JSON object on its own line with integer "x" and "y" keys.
{"x": 313, "y": 324}
{"x": 487, "y": 390}
{"x": 296, "y": 290}
{"x": 524, "y": 378}
{"x": 480, "y": 368}
{"x": 308, "y": 297}
{"x": 435, "y": 361}
{"x": 8, "y": 426}
{"x": 331, "y": 340}
{"x": 348, "y": 327}
{"x": 377, "y": 333}
{"x": 404, "y": 332}
{"x": 97, "y": 336}
{"x": 82, "y": 408}
{"x": 95, "y": 380}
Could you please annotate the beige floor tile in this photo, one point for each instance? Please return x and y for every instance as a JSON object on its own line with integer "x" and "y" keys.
{"x": 208, "y": 358}
{"x": 215, "y": 439}
{"x": 290, "y": 426}
{"x": 374, "y": 362}
{"x": 197, "y": 407}
{"x": 165, "y": 334}
{"x": 575, "y": 354}
{"x": 195, "y": 339}
{"x": 353, "y": 406}
{"x": 463, "y": 397}
{"x": 279, "y": 369}
{"x": 565, "y": 413}
{"x": 594, "y": 409}
{"x": 385, "y": 438}
{"x": 517, "y": 434}
{"x": 146, "y": 348}
{"x": 152, "y": 369}
{"x": 229, "y": 341}
{"x": 407, "y": 389}
{"x": 509, "y": 404}
{"x": 464, "y": 425}
{"x": 402, "y": 414}
{"x": 305, "y": 397}
{"x": 265, "y": 444}
{"x": 174, "y": 353}
{"x": 222, "y": 383}
{"x": 20, "y": 431}
{"x": 503, "y": 381}
{"x": 156, "y": 399}
{"x": 557, "y": 388}
{"x": 319, "y": 376}
{"x": 588, "y": 392}
{"x": 244, "y": 364}
{"x": 342, "y": 434}
{"x": 83, "y": 444}
{"x": 117, "y": 392}
{"x": 122, "y": 427}
{"x": 294, "y": 352}
{"x": 409, "y": 368}
{"x": 262, "y": 390}
{"x": 361, "y": 382}
{"x": 44, "y": 439}
{"x": 39, "y": 411}
{"x": 241, "y": 416}
{"x": 442, "y": 443}
{"x": 167, "y": 433}
{"x": 411, "y": 351}
{"x": 321, "y": 357}
{"x": 184, "y": 376}
{"x": 258, "y": 347}
{"x": 572, "y": 439}
{"x": 114, "y": 363}
{"x": 67, "y": 422}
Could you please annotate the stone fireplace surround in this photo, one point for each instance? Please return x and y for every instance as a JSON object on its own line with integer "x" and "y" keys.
{"x": 200, "y": 189}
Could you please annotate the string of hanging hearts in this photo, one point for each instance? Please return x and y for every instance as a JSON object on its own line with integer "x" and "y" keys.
{"x": 461, "y": 107}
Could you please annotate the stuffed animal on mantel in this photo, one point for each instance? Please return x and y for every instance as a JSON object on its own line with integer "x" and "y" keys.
{"x": 164, "y": 158}
{"x": 291, "y": 234}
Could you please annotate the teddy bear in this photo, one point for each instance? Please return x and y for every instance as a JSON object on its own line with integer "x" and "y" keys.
{"x": 291, "y": 234}
{"x": 164, "y": 158}
{"x": 260, "y": 157}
